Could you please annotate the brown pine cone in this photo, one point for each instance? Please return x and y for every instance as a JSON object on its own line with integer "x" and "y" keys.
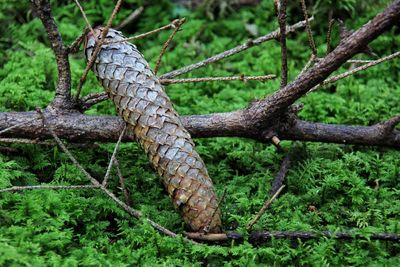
{"x": 146, "y": 108}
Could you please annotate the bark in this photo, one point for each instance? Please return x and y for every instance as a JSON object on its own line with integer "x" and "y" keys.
{"x": 77, "y": 127}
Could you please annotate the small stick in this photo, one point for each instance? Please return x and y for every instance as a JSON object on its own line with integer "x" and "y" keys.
{"x": 355, "y": 70}
{"x": 25, "y": 141}
{"x": 128, "y": 200}
{"x": 74, "y": 47}
{"x": 132, "y": 17}
{"x": 110, "y": 164}
{"x": 282, "y": 39}
{"x": 97, "y": 49}
{"x": 328, "y": 36}
{"x": 213, "y": 79}
{"x": 165, "y": 27}
{"x": 92, "y": 99}
{"x": 238, "y": 49}
{"x": 17, "y": 125}
{"x": 84, "y": 16}
{"x": 357, "y": 61}
{"x": 281, "y": 175}
{"x": 207, "y": 228}
{"x": 267, "y": 204}
{"x": 308, "y": 28}
{"x": 31, "y": 187}
{"x": 178, "y": 24}
{"x": 308, "y": 65}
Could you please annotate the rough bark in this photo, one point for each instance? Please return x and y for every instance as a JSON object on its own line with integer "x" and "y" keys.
{"x": 78, "y": 127}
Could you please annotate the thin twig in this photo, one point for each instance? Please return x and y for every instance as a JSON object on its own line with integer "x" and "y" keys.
{"x": 165, "y": 27}
{"x": 282, "y": 39}
{"x": 131, "y": 211}
{"x": 328, "y": 36}
{"x": 271, "y": 36}
{"x": 132, "y": 17}
{"x": 267, "y": 204}
{"x": 97, "y": 49}
{"x": 74, "y": 47}
{"x": 17, "y": 125}
{"x": 178, "y": 24}
{"x": 357, "y": 61}
{"x": 309, "y": 63}
{"x": 92, "y": 99}
{"x": 281, "y": 175}
{"x": 31, "y": 187}
{"x": 207, "y": 227}
{"x": 308, "y": 28}
{"x": 213, "y": 79}
{"x": 128, "y": 200}
{"x": 110, "y": 164}
{"x": 85, "y": 17}
{"x": 62, "y": 98}
{"x": 355, "y": 70}
{"x": 25, "y": 141}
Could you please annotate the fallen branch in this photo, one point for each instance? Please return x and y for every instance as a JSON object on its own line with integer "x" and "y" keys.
{"x": 259, "y": 237}
{"x": 80, "y": 128}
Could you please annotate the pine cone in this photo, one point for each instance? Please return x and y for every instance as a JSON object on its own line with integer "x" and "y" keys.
{"x": 146, "y": 108}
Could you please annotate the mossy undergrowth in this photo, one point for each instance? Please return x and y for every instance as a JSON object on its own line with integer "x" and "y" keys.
{"x": 349, "y": 187}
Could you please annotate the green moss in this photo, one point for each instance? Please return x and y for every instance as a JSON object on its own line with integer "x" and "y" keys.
{"x": 350, "y": 186}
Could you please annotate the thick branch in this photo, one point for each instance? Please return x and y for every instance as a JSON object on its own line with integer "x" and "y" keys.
{"x": 79, "y": 127}
{"x": 62, "y": 99}
{"x": 270, "y": 108}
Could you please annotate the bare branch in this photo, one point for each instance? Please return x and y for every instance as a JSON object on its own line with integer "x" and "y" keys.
{"x": 88, "y": 25}
{"x": 177, "y": 26}
{"x": 128, "y": 200}
{"x": 32, "y": 187}
{"x": 281, "y": 8}
{"x": 308, "y": 28}
{"x": 17, "y": 125}
{"x": 281, "y": 175}
{"x": 97, "y": 49}
{"x": 142, "y": 35}
{"x": 271, "y": 36}
{"x": 266, "y": 205}
{"x": 131, "y": 18}
{"x": 105, "y": 179}
{"x": 62, "y": 98}
{"x": 213, "y": 79}
{"x": 355, "y": 70}
{"x": 328, "y": 36}
{"x": 270, "y": 108}
{"x": 77, "y": 127}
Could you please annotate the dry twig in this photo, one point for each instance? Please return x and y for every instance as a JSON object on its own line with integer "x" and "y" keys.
{"x": 132, "y": 17}
{"x": 213, "y": 79}
{"x": 32, "y": 187}
{"x": 110, "y": 164}
{"x": 271, "y": 36}
{"x": 281, "y": 8}
{"x": 355, "y": 70}
{"x": 177, "y": 26}
{"x": 267, "y": 204}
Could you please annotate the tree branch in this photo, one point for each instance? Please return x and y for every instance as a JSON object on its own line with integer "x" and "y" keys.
{"x": 271, "y": 108}
{"x": 62, "y": 98}
{"x": 80, "y": 127}
{"x": 270, "y": 36}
